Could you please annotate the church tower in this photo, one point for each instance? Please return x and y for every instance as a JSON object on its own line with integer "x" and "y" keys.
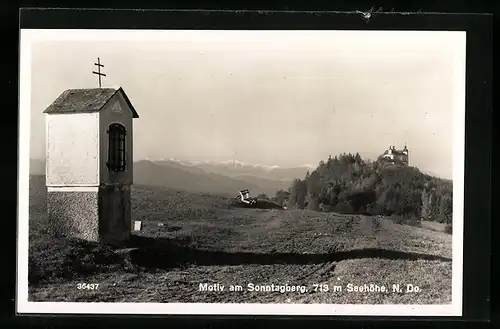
{"x": 406, "y": 158}
{"x": 89, "y": 164}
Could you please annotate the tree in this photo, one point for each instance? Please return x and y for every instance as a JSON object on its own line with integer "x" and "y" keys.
{"x": 313, "y": 202}
{"x": 281, "y": 197}
{"x": 357, "y": 158}
{"x": 301, "y": 194}
{"x": 294, "y": 191}
{"x": 426, "y": 205}
{"x": 446, "y": 209}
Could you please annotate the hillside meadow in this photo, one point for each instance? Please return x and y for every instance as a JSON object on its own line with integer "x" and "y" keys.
{"x": 190, "y": 239}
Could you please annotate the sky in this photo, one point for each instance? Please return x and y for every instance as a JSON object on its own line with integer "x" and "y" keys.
{"x": 275, "y": 98}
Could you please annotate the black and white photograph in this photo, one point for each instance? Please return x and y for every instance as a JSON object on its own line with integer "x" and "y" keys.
{"x": 241, "y": 172}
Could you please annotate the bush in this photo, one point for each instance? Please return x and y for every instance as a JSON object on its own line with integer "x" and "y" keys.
{"x": 263, "y": 197}
{"x": 344, "y": 207}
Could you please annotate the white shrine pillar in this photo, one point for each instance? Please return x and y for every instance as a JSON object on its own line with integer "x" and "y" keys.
{"x": 89, "y": 164}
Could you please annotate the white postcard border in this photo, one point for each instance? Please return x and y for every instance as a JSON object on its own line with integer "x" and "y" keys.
{"x": 26, "y": 307}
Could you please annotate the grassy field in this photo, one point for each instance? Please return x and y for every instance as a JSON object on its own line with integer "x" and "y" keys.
{"x": 188, "y": 239}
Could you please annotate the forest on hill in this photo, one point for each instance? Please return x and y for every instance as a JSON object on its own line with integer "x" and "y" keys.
{"x": 348, "y": 184}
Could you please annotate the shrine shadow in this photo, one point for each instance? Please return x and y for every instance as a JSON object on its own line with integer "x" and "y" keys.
{"x": 162, "y": 253}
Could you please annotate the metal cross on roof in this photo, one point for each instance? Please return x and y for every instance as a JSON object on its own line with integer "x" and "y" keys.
{"x": 99, "y": 74}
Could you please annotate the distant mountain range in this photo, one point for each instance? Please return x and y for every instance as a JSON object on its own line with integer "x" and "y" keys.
{"x": 225, "y": 178}
{"x": 239, "y": 169}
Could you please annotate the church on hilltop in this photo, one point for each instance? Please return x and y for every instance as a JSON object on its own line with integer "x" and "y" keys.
{"x": 394, "y": 156}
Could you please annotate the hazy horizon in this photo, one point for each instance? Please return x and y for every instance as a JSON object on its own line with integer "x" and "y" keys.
{"x": 286, "y": 99}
